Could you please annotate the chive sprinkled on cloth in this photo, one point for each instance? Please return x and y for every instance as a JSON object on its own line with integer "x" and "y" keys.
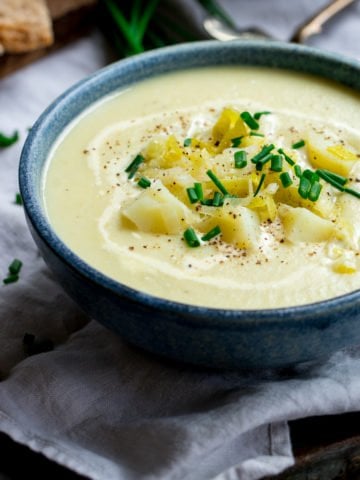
{"x": 132, "y": 168}
{"x": 240, "y": 159}
{"x": 191, "y": 238}
{"x": 18, "y": 199}
{"x": 217, "y": 182}
{"x": 6, "y": 141}
{"x": 262, "y": 179}
{"x": 299, "y": 144}
{"x": 13, "y": 272}
{"x": 187, "y": 142}
{"x": 249, "y": 120}
{"x": 144, "y": 182}
{"x": 258, "y": 115}
{"x": 211, "y": 234}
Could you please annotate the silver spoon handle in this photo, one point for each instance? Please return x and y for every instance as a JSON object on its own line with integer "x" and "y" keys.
{"x": 315, "y": 24}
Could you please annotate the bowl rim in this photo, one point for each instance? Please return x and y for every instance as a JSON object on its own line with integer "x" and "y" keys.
{"x": 153, "y": 60}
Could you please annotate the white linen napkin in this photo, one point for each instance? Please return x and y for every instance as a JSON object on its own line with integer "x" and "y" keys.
{"x": 106, "y": 409}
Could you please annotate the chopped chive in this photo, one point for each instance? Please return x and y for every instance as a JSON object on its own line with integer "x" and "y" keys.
{"x": 218, "y": 200}
{"x": 211, "y": 234}
{"x": 199, "y": 190}
{"x": 285, "y": 179}
{"x": 263, "y": 152}
{"x": 249, "y": 120}
{"x": 236, "y": 142}
{"x": 260, "y": 163}
{"x": 260, "y": 184}
{"x": 132, "y": 168}
{"x": 217, "y": 182}
{"x": 240, "y": 159}
{"x": 255, "y": 134}
{"x": 330, "y": 179}
{"x": 187, "y": 142}
{"x": 297, "y": 170}
{"x": 6, "y": 141}
{"x": 208, "y": 202}
{"x": 193, "y": 196}
{"x": 355, "y": 193}
{"x": 315, "y": 191}
{"x": 298, "y": 144}
{"x": 304, "y": 187}
{"x": 289, "y": 160}
{"x": 144, "y": 182}
{"x": 12, "y": 278}
{"x": 191, "y": 238}
{"x": 276, "y": 163}
{"x": 257, "y": 115}
{"x": 15, "y": 267}
{"x": 335, "y": 176}
{"x": 310, "y": 175}
{"x": 18, "y": 199}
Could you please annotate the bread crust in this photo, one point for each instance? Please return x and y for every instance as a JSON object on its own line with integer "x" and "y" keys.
{"x": 25, "y": 25}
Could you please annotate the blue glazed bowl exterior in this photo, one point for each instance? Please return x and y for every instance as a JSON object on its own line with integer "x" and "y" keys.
{"x": 203, "y": 336}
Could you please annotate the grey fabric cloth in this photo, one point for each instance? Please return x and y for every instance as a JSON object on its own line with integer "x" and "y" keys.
{"x": 104, "y": 408}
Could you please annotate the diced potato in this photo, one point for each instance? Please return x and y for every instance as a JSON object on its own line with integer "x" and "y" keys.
{"x": 156, "y": 210}
{"x": 326, "y": 151}
{"x": 301, "y": 225}
{"x": 239, "y": 225}
{"x": 349, "y": 222}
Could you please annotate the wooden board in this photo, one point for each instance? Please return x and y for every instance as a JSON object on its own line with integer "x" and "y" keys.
{"x": 71, "y": 20}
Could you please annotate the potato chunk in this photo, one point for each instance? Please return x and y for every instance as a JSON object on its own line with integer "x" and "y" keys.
{"x": 156, "y": 210}
{"x": 301, "y": 225}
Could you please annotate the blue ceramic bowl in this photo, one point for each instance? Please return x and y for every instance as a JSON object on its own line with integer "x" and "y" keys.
{"x": 203, "y": 336}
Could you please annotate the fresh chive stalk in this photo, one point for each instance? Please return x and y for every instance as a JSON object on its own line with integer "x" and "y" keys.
{"x": 289, "y": 160}
{"x": 6, "y": 141}
{"x": 297, "y": 170}
{"x": 260, "y": 163}
{"x": 258, "y": 115}
{"x": 191, "y": 238}
{"x": 10, "y": 279}
{"x": 263, "y": 152}
{"x": 217, "y": 182}
{"x": 262, "y": 179}
{"x": 256, "y": 134}
{"x": 250, "y": 120}
{"x": 304, "y": 187}
{"x": 314, "y": 192}
{"x": 285, "y": 179}
{"x": 15, "y": 266}
{"x": 236, "y": 141}
{"x": 187, "y": 142}
{"x": 218, "y": 200}
{"x": 193, "y": 196}
{"x": 18, "y": 199}
{"x": 276, "y": 163}
{"x": 199, "y": 190}
{"x": 211, "y": 234}
{"x": 133, "y": 167}
{"x": 335, "y": 176}
{"x": 144, "y": 182}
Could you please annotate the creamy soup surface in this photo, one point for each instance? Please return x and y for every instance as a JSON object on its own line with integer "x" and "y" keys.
{"x": 255, "y": 241}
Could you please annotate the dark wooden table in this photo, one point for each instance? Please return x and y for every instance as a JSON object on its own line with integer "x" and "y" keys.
{"x": 325, "y": 448}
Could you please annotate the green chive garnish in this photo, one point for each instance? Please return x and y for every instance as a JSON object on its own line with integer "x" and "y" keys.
{"x": 144, "y": 182}
{"x": 276, "y": 163}
{"x": 352, "y": 192}
{"x": 236, "y": 142}
{"x": 208, "y": 202}
{"x": 187, "y": 142}
{"x": 315, "y": 191}
{"x": 193, "y": 197}
{"x": 298, "y": 144}
{"x": 263, "y": 152}
{"x": 285, "y": 179}
{"x": 15, "y": 267}
{"x": 134, "y": 165}
{"x": 260, "y": 184}
{"x": 199, "y": 190}
{"x": 310, "y": 175}
{"x": 218, "y": 200}
{"x": 191, "y": 238}
{"x": 330, "y": 179}
{"x": 260, "y": 163}
{"x": 297, "y": 170}
{"x": 217, "y": 182}
{"x": 335, "y": 176}
{"x": 289, "y": 160}
{"x": 304, "y": 187}
{"x": 240, "y": 159}
{"x": 249, "y": 120}
{"x": 18, "y": 199}
{"x": 255, "y": 134}
{"x": 211, "y": 234}
{"x": 257, "y": 115}
{"x": 6, "y": 141}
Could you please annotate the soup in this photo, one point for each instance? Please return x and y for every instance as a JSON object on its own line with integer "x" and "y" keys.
{"x": 231, "y": 187}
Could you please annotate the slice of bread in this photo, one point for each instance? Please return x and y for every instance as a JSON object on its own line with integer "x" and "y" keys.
{"x": 25, "y": 25}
